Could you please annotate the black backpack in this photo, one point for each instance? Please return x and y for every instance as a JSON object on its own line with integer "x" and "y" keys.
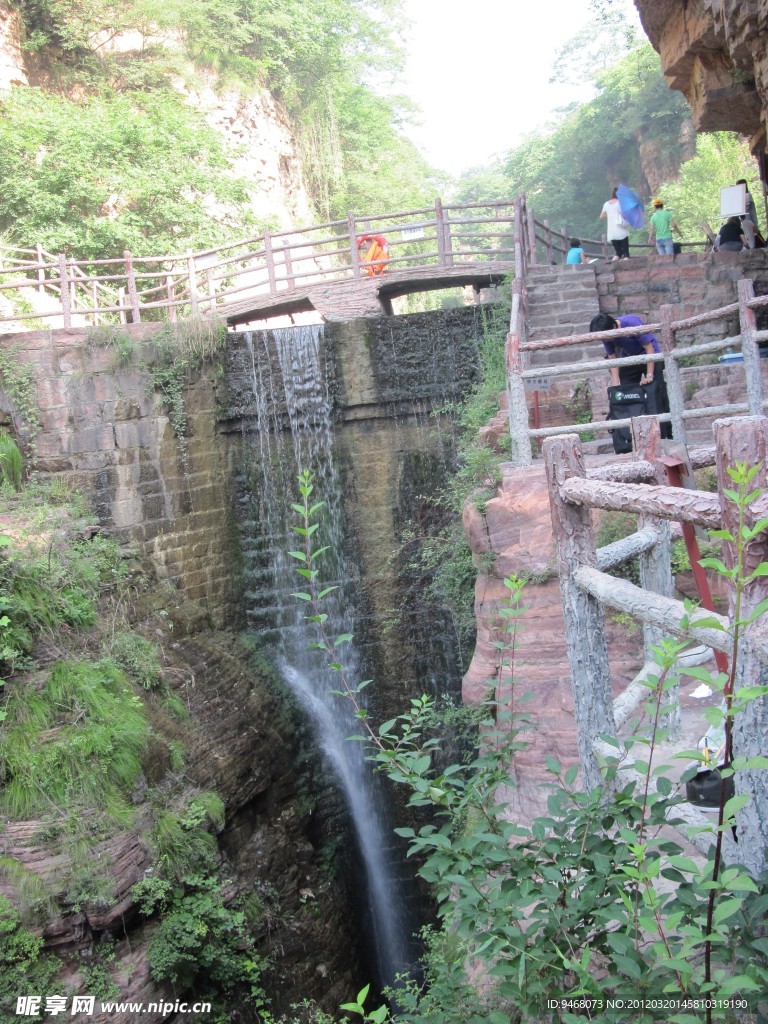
{"x": 624, "y": 403}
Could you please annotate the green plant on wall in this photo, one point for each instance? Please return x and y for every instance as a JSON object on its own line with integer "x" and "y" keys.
{"x": 181, "y": 348}
{"x": 17, "y": 379}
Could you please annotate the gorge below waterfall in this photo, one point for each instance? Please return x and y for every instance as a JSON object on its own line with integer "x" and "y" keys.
{"x": 276, "y": 459}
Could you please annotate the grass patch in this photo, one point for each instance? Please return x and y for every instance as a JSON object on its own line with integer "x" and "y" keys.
{"x": 74, "y": 745}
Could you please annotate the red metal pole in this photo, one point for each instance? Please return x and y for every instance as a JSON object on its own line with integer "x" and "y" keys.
{"x": 694, "y": 555}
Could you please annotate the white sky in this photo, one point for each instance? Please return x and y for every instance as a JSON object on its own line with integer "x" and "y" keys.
{"x": 480, "y": 73}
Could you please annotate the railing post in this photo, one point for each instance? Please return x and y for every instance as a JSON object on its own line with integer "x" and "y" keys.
{"x": 288, "y": 267}
{"x": 655, "y": 564}
{"x": 66, "y": 309}
{"x": 170, "y": 295}
{"x": 121, "y": 304}
{"x": 441, "y": 254}
{"x": 192, "y": 272}
{"x": 40, "y": 271}
{"x": 95, "y": 302}
{"x": 548, "y": 239}
{"x": 672, "y": 374}
{"x": 133, "y": 295}
{"x": 270, "y": 257}
{"x": 604, "y": 242}
{"x": 353, "y": 252}
{"x": 517, "y": 406}
{"x": 210, "y": 290}
{"x": 531, "y": 225}
{"x": 749, "y": 348}
{"x": 746, "y": 440}
{"x": 583, "y": 614}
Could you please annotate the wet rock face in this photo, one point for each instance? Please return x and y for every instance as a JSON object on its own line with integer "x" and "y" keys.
{"x": 715, "y": 53}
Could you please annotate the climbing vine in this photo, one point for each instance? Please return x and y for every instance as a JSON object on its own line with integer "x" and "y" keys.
{"x": 18, "y": 382}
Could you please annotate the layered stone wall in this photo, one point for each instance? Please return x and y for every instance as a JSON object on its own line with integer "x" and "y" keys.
{"x": 693, "y": 282}
{"x": 107, "y": 431}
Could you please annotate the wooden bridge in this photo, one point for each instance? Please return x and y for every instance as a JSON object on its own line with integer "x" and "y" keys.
{"x": 311, "y": 268}
{"x": 315, "y": 267}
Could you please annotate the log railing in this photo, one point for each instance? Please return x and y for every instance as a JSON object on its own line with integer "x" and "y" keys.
{"x": 667, "y": 329}
{"x": 549, "y": 243}
{"x": 586, "y": 587}
{"x": 277, "y": 264}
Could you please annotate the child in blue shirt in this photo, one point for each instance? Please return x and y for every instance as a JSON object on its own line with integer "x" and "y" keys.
{"x": 575, "y": 254}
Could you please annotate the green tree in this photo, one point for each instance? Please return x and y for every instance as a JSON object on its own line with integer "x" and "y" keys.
{"x": 568, "y": 168}
{"x": 721, "y": 159}
{"x": 139, "y": 172}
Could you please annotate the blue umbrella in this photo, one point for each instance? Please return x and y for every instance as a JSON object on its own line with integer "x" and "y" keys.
{"x": 631, "y": 206}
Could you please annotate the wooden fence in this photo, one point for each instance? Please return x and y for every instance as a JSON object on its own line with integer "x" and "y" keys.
{"x": 587, "y": 587}
{"x": 667, "y": 330}
{"x": 277, "y": 264}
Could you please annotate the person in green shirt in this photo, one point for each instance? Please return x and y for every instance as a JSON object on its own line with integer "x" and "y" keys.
{"x": 661, "y": 229}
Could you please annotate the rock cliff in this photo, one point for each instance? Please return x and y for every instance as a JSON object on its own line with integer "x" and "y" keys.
{"x": 253, "y": 123}
{"x": 715, "y": 52}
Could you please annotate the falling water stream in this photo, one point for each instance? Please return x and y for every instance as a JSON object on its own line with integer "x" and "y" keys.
{"x": 296, "y": 389}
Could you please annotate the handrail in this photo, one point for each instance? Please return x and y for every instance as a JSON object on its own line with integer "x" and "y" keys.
{"x": 671, "y": 355}
{"x": 268, "y": 265}
{"x": 586, "y": 588}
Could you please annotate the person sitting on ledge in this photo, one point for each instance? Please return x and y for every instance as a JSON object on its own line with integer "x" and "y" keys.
{"x": 374, "y": 258}
{"x": 575, "y": 254}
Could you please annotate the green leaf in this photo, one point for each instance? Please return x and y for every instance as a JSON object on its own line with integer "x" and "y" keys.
{"x": 302, "y": 596}
{"x": 342, "y": 638}
{"x": 734, "y": 805}
{"x": 726, "y": 909}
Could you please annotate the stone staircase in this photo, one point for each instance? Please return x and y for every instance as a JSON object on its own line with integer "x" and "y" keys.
{"x": 561, "y": 301}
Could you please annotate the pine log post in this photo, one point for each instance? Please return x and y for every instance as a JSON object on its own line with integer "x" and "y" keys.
{"x": 133, "y": 295}
{"x": 672, "y": 373}
{"x": 192, "y": 273}
{"x": 584, "y": 616}
{"x": 749, "y": 348}
{"x": 531, "y": 225}
{"x": 286, "y": 250}
{"x": 548, "y": 242}
{"x": 746, "y": 440}
{"x": 66, "y": 309}
{"x": 442, "y": 256}
{"x": 40, "y": 269}
{"x": 353, "y": 253}
{"x": 95, "y": 302}
{"x": 270, "y": 258}
{"x": 655, "y": 562}
{"x": 517, "y": 412}
{"x": 170, "y": 296}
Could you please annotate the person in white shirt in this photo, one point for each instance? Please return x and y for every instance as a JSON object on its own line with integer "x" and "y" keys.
{"x": 616, "y": 231}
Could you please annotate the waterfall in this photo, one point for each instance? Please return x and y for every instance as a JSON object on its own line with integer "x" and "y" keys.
{"x": 294, "y": 432}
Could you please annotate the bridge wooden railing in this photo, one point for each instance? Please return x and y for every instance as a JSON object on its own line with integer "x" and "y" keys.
{"x": 39, "y": 286}
{"x": 586, "y": 587}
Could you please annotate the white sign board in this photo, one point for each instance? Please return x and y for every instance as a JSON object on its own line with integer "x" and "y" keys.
{"x": 733, "y": 201}
{"x": 411, "y": 234}
{"x": 538, "y": 383}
